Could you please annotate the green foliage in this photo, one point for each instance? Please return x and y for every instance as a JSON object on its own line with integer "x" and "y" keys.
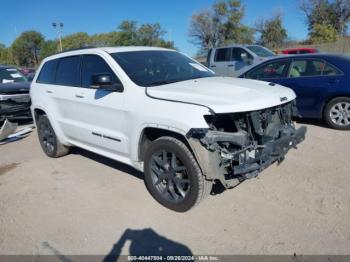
{"x": 129, "y": 34}
{"x": 5, "y": 55}
{"x": 222, "y": 24}
{"x": 76, "y": 40}
{"x": 26, "y": 48}
{"x": 326, "y": 19}
{"x": 30, "y": 47}
{"x": 273, "y": 34}
{"x": 48, "y": 48}
{"x": 323, "y": 33}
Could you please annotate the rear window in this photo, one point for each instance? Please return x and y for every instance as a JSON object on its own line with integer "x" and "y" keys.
{"x": 68, "y": 71}
{"x": 47, "y": 73}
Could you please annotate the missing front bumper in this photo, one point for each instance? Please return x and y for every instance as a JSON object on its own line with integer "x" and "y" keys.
{"x": 271, "y": 152}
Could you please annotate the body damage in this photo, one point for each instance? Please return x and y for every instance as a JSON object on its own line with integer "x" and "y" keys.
{"x": 14, "y": 101}
{"x": 237, "y": 146}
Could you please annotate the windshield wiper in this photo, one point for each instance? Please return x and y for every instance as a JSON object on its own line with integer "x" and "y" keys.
{"x": 165, "y": 82}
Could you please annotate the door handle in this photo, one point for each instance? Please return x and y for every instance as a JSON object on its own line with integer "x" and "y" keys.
{"x": 231, "y": 65}
{"x": 80, "y": 95}
{"x": 49, "y": 91}
{"x": 333, "y": 81}
{"x": 213, "y": 66}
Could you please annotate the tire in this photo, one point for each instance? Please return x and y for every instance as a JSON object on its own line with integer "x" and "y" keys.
{"x": 337, "y": 113}
{"x": 49, "y": 142}
{"x": 174, "y": 178}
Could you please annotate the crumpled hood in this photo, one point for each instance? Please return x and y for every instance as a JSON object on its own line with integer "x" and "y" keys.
{"x": 225, "y": 94}
{"x": 14, "y": 88}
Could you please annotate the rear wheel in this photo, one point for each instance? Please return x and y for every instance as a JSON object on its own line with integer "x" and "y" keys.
{"x": 172, "y": 175}
{"x": 337, "y": 113}
{"x": 49, "y": 142}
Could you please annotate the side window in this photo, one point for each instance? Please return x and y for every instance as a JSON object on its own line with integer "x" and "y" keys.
{"x": 239, "y": 54}
{"x": 68, "y": 71}
{"x": 47, "y": 73}
{"x": 276, "y": 69}
{"x": 310, "y": 67}
{"x": 222, "y": 55}
{"x": 92, "y": 65}
{"x": 298, "y": 68}
{"x": 330, "y": 70}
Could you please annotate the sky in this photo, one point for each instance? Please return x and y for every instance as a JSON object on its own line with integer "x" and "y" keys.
{"x": 100, "y": 16}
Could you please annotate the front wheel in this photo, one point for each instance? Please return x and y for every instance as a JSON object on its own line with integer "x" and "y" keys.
{"x": 337, "y": 113}
{"x": 172, "y": 175}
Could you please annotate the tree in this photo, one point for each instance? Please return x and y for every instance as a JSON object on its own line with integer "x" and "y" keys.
{"x": 76, "y": 40}
{"x": 220, "y": 25}
{"x": 322, "y": 15}
{"x": 323, "y": 33}
{"x": 273, "y": 34}
{"x": 26, "y": 48}
{"x": 48, "y": 48}
{"x": 2, "y": 53}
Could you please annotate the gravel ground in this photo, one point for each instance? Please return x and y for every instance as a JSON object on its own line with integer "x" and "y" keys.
{"x": 87, "y": 204}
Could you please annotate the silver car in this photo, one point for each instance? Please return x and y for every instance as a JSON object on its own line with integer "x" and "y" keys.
{"x": 236, "y": 59}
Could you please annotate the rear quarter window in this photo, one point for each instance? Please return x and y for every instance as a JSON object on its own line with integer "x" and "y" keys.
{"x": 47, "y": 73}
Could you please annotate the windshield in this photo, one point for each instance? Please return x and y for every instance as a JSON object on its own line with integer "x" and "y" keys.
{"x": 261, "y": 51}
{"x": 11, "y": 75}
{"x": 151, "y": 68}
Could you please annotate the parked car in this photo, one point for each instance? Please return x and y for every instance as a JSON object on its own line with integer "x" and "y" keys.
{"x": 25, "y": 71}
{"x": 320, "y": 81}
{"x": 165, "y": 114}
{"x": 14, "y": 94}
{"x": 236, "y": 59}
{"x": 300, "y": 50}
{"x": 30, "y": 76}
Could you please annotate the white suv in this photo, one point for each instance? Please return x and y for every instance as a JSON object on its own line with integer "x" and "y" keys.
{"x": 164, "y": 114}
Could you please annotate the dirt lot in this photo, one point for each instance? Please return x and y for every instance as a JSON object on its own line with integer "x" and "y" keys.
{"x": 87, "y": 204}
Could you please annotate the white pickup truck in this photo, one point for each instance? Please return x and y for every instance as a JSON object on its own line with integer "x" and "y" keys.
{"x": 164, "y": 114}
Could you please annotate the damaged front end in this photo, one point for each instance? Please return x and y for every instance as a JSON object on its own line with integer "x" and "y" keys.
{"x": 14, "y": 106}
{"x": 238, "y": 146}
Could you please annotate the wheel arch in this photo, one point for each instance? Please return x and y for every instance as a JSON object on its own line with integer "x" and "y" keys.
{"x": 149, "y": 134}
{"x": 38, "y": 112}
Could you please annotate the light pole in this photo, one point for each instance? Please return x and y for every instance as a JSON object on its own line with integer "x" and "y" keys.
{"x": 59, "y": 29}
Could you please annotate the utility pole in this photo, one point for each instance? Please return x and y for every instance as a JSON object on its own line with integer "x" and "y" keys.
{"x": 59, "y": 28}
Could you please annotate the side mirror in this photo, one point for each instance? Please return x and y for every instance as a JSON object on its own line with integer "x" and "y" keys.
{"x": 245, "y": 59}
{"x": 105, "y": 82}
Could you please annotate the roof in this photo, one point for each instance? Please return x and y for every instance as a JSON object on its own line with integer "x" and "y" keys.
{"x": 299, "y": 48}
{"x": 312, "y": 55}
{"x": 6, "y": 66}
{"x": 115, "y": 49}
{"x": 235, "y": 45}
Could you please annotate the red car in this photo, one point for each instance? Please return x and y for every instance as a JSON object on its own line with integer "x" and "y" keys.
{"x": 302, "y": 50}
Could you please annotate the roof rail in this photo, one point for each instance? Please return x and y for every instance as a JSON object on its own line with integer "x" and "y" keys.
{"x": 74, "y": 49}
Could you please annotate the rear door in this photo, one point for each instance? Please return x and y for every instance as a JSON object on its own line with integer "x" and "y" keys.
{"x": 312, "y": 80}
{"x": 221, "y": 60}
